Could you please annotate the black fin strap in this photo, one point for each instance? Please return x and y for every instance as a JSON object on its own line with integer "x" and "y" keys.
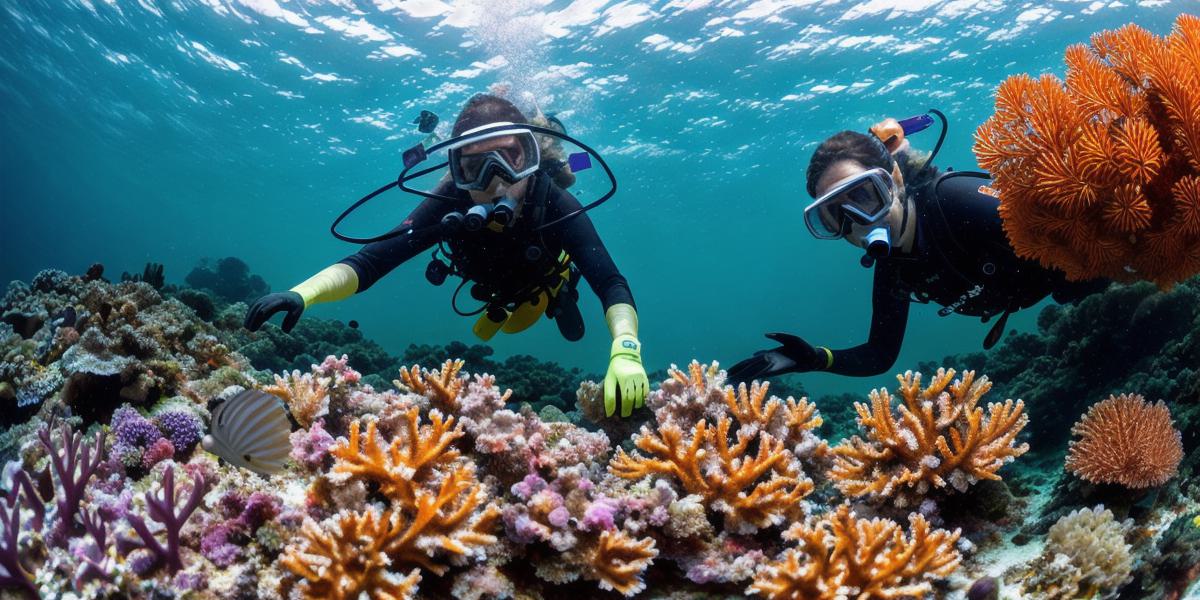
{"x": 993, "y": 336}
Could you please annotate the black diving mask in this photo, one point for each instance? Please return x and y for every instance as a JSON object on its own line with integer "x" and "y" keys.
{"x": 480, "y": 168}
{"x": 863, "y": 198}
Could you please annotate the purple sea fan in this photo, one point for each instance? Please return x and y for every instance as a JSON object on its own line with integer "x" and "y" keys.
{"x": 182, "y": 427}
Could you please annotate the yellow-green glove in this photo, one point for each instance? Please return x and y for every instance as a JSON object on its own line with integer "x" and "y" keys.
{"x": 626, "y": 380}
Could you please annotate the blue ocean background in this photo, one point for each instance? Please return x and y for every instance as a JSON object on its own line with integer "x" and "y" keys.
{"x": 148, "y": 130}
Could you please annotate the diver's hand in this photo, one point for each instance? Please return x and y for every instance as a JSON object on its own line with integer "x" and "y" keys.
{"x": 268, "y": 305}
{"x": 794, "y": 356}
{"x": 626, "y": 381}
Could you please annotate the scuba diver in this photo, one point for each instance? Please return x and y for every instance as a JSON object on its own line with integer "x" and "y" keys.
{"x": 504, "y": 226}
{"x": 931, "y": 236}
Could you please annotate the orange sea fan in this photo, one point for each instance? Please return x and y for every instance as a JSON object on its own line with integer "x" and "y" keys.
{"x": 1126, "y": 440}
{"x": 1092, "y": 170}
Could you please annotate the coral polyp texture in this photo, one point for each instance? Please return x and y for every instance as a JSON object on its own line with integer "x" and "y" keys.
{"x": 1128, "y": 441}
{"x": 840, "y": 555}
{"x": 1100, "y": 176}
{"x": 1085, "y": 557}
{"x": 937, "y": 437}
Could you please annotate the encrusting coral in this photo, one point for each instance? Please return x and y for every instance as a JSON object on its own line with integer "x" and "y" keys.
{"x": 937, "y": 436}
{"x": 1100, "y": 177}
{"x": 842, "y": 556}
{"x": 1126, "y": 440}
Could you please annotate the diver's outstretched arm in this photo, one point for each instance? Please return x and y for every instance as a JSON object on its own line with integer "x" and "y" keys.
{"x": 353, "y": 274}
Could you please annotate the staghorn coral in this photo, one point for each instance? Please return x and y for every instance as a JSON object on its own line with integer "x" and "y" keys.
{"x": 754, "y": 490}
{"x": 408, "y": 460}
{"x": 346, "y": 559}
{"x": 934, "y": 438}
{"x": 164, "y": 509}
{"x": 1126, "y": 440}
{"x": 441, "y": 386}
{"x": 842, "y": 556}
{"x": 617, "y": 562}
{"x": 1085, "y": 557}
{"x": 306, "y": 396}
{"x": 1100, "y": 176}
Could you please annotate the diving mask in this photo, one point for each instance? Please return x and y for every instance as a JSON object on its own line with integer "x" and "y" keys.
{"x": 863, "y": 198}
{"x": 502, "y": 150}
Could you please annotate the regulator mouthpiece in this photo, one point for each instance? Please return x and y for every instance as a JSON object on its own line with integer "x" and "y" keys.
{"x": 478, "y": 216}
{"x": 452, "y": 222}
{"x": 878, "y": 243}
{"x": 505, "y": 211}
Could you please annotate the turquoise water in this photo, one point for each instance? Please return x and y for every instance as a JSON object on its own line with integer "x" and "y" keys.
{"x": 173, "y": 131}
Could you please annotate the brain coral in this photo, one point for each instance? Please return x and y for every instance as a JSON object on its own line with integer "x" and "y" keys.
{"x": 1100, "y": 176}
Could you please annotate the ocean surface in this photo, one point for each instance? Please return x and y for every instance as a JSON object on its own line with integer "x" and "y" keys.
{"x": 173, "y": 131}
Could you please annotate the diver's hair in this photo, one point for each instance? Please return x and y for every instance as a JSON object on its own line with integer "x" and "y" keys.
{"x": 482, "y": 109}
{"x": 868, "y": 151}
{"x": 861, "y": 148}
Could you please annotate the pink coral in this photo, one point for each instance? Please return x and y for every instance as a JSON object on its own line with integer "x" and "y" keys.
{"x": 310, "y": 447}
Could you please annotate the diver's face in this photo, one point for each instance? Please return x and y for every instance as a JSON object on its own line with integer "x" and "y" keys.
{"x": 514, "y": 153}
{"x": 843, "y": 169}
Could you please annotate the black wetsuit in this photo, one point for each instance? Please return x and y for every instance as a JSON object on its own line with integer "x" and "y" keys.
{"x": 509, "y": 266}
{"x": 961, "y": 260}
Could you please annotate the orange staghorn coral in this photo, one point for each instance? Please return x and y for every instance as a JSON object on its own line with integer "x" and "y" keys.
{"x": 306, "y": 397}
{"x": 698, "y": 377}
{"x": 407, "y": 461}
{"x": 1126, "y": 440}
{"x": 446, "y": 523}
{"x": 841, "y": 556}
{"x": 442, "y": 387}
{"x": 1100, "y": 176}
{"x": 934, "y": 437}
{"x": 617, "y": 561}
{"x": 348, "y": 559}
{"x": 753, "y": 489}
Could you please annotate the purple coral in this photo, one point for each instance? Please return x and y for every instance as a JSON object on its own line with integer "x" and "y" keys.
{"x": 181, "y": 427}
{"x": 222, "y": 543}
{"x": 134, "y": 434}
{"x": 159, "y": 451}
{"x": 310, "y": 447}
{"x": 94, "y": 560}
{"x": 163, "y": 509}
{"x": 73, "y": 465}
{"x": 15, "y": 574}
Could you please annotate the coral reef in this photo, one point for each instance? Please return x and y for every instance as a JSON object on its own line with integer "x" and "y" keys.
{"x": 840, "y": 556}
{"x": 231, "y": 281}
{"x": 935, "y": 438}
{"x": 1126, "y": 440}
{"x": 1100, "y": 176}
{"x": 1085, "y": 557}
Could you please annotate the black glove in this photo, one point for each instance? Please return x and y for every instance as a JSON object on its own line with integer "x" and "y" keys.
{"x": 268, "y": 305}
{"x": 794, "y": 356}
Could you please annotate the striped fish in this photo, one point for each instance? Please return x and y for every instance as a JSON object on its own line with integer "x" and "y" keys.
{"x": 250, "y": 430}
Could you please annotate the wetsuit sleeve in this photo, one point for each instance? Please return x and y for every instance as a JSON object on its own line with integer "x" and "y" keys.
{"x": 579, "y": 238}
{"x": 889, "y": 319}
{"x": 379, "y": 258}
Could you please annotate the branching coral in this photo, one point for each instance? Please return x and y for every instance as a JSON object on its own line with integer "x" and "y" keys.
{"x": 618, "y": 561}
{"x": 754, "y": 489}
{"x": 306, "y": 396}
{"x": 14, "y": 574}
{"x": 347, "y": 559}
{"x": 442, "y": 387}
{"x": 73, "y": 464}
{"x": 841, "y": 556}
{"x": 1126, "y": 440}
{"x": 408, "y": 459}
{"x": 1100, "y": 176}
{"x": 163, "y": 508}
{"x": 934, "y": 438}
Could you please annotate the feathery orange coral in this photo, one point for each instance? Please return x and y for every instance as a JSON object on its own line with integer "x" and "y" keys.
{"x": 754, "y": 489}
{"x": 442, "y": 387}
{"x": 1126, "y": 440}
{"x": 1098, "y": 175}
{"x": 933, "y": 438}
{"x": 407, "y": 460}
{"x": 617, "y": 561}
{"x": 349, "y": 558}
{"x": 306, "y": 397}
{"x": 840, "y": 552}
